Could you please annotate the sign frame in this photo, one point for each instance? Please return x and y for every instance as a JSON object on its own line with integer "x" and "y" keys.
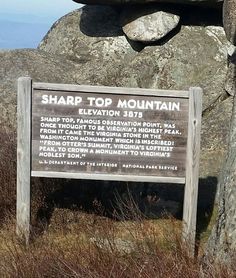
{"x": 24, "y": 153}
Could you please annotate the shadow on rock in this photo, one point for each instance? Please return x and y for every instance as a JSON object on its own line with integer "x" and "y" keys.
{"x": 122, "y": 201}
{"x": 201, "y": 16}
{"x": 100, "y": 21}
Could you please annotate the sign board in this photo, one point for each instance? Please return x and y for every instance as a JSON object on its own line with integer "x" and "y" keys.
{"x": 102, "y": 134}
{"x": 106, "y": 133}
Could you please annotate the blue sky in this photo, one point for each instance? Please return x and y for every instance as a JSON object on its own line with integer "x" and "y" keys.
{"x": 38, "y": 7}
{"x": 23, "y": 23}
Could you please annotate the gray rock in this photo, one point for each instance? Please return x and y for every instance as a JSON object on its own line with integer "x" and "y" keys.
{"x": 114, "y": 245}
{"x": 111, "y": 60}
{"x": 174, "y": 66}
{"x": 147, "y": 24}
{"x": 229, "y": 20}
{"x": 230, "y": 84}
{"x": 41, "y": 66}
{"x": 214, "y": 137}
{"x": 93, "y": 38}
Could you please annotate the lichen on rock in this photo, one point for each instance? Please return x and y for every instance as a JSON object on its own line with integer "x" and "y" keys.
{"x": 148, "y": 24}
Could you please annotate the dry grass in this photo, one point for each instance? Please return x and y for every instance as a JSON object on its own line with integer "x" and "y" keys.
{"x": 101, "y": 247}
{"x": 79, "y": 244}
{"x": 7, "y": 173}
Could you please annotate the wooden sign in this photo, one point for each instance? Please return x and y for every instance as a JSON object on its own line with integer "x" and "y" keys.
{"x": 106, "y": 133}
{"x": 109, "y": 136}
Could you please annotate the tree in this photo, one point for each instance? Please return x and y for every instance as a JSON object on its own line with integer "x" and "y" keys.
{"x": 222, "y": 242}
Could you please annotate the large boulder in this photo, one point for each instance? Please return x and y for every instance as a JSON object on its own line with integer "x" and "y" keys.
{"x": 41, "y": 66}
{"x": 229, "y": 19}
{"x": 93, "y": 38}
{"x": 195, "y": 56}
{"x": 148, "y": 23}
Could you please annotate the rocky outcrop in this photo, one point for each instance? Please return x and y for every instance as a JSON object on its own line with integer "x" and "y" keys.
{"x": 41, "y": 66}
{"x": 152, "y": 20}
{"x": 93, "y": 38}
{"x": 229, "y": 18}
{"x": 147, "y": 24}
{"x": 195, "y": 56}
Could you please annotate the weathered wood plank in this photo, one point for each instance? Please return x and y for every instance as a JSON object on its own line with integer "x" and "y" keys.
{"x": 111, "y": 177}
{"x": 109, "y": 90}
{"x": 192, "y": 168}
{"x": 23, "y": 157}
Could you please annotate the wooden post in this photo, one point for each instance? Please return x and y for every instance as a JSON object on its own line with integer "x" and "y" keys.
{"x": 23, "y": 157}
{"x": 192, "y": 169}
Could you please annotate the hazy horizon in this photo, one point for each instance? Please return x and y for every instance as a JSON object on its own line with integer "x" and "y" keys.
{"x": 24, "y": 24}
{"x": 38, "y": 7}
